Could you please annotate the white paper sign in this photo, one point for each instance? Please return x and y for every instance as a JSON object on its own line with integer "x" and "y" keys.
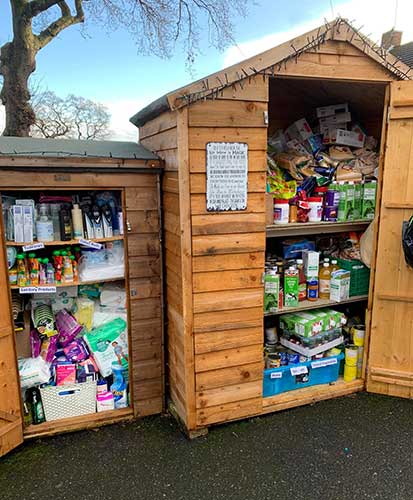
{"x": 90, "y": 244}
{"x": 227, "y": 176}
{"x": 34, "y": 246}
{"x": 276, "y": 375}
{"x": 38, "y": 289}
{"x": 299, "y": 370}
{"x": 324, "y": 362}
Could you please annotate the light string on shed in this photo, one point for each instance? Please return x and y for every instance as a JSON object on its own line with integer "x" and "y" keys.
{"x": 323, "y": 34}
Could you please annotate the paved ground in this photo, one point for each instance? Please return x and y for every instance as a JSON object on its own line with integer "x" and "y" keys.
{"x": 358, "y": 447}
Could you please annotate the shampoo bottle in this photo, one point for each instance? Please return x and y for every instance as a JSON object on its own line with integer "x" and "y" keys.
{"x": 88, "y": 222}
{"x": 107, "y": 221}
{"x": 97, "y": 222}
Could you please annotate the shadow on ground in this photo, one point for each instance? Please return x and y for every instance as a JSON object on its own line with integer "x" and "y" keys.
{"x": 358, "y": 447}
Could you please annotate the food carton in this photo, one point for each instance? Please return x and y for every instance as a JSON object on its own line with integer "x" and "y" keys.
{"x": 340, "y": 285}
{"x": 335, "y": 119}
{"x": 296, "y": 146}
{"x": 368, "y": 204}
{"x": 311, "y": 261}
{"x": 300, "y": 130}
{"x": 349, "y": 138}
{"x": 291, "y": 284}
{"x": 331, "y": 110}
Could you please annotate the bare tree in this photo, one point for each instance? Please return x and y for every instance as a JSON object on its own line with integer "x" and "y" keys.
{"x": 155, "y": 25}
{"x": 73, "y": 117}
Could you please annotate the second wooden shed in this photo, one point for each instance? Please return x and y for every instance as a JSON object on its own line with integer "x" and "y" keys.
{"x": 215, "y": 261}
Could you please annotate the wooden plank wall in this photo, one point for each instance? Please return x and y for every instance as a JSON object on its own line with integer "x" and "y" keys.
{"x": 228, "y": 260}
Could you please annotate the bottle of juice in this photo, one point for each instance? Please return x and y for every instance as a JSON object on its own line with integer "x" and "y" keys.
{"x": 67, "y": 268}
{"x": 74, "y": 267}
{"x": 324, "y": 281}
{"x": 34, "y": 269}
{"x": 334, "y": 265}
{"x": 22, "y": 276}
{"x": 302, "y": 282}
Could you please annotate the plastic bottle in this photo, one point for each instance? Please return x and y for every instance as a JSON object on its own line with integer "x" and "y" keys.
{"x": 67, "y": 268}
{"x": 88, "y": 222}
{"x": 44, "y": 224}
{"x": 58, "y": 265}
{"x": 42, "y": 272}
{"x": 77, "y": 222}
{"x": 37, "y": 407}
{"x": 107, "y": 221}
{"x": 65, "y": 225}
{"x": 22, "y": 275}
{"x": 324, "y": 281}
{"x": 74, "y": 267}
{"x": 334, "y": 265}
{"x": 302, "y": 282}
{"x": 49, "y": 271}
{"x": 34, "y": 269}
{"x": 13, "y": 275}
{"x": 118, "y": 388}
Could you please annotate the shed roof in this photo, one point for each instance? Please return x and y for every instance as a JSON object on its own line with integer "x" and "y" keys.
{"x": 71, "y": 148}
{"x": 404, "y": 53}
{"x": 268, "y": 63}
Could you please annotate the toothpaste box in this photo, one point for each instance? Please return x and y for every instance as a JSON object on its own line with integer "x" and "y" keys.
{"x": 340, "y": 285}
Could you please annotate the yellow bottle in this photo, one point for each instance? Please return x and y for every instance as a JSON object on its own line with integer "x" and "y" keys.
{"x": 334, "y": 265}
{"x": 324, "y": 278}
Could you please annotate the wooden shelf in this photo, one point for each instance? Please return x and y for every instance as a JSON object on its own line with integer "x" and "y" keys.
{"x": 64, "y": 243}
{"x": 77, "y": 423}
{"x": 309, "y": 395}
{"x": 301, "y": 229}
{"x": 308, "y": 304}
{"x": 75, "y": 283}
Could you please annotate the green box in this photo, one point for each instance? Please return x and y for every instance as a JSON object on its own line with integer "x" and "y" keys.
{"x": 291, "y": 282}
{"x": 369, "y": 200}
{"x": 271, "y": 291}
{"x": 358, "y": 196}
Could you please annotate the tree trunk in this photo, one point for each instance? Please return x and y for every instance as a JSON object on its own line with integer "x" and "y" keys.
{"x": 17, "y": 63}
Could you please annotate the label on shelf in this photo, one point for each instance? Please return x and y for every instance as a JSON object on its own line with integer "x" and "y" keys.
{"x": 324, "y": 362}
{"x": 276, "y": 375}
{"x": 90, "y": 244}
{"x": 299, "y": 370}
{"x": 33, "y": 246}
{"x": 37, "y": 289}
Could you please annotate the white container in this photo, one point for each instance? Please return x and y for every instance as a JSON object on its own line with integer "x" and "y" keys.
{"x": 281, "y": 211}
{"x": 340, "y": 285}
{"x": 316, "y": 209}
{"x": 105, "y": 401}
{"x": 311, "y": 262}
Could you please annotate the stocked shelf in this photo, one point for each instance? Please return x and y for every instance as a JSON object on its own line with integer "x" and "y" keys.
{"x": 301, "y": 229}
{"x": 64, "y": 243}
{"x": 308, "y": 304}
{"x": 75, "y": 283}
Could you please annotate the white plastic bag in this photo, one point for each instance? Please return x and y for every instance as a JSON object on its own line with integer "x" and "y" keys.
{"x": 33, "y": 371}
{"x": 366, "y": 245}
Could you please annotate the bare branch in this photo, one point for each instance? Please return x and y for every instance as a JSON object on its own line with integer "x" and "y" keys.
{"x": 36, "y": 7}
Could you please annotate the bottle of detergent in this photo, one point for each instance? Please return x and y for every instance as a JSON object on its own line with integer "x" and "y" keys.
{"x": 118, "y": 388}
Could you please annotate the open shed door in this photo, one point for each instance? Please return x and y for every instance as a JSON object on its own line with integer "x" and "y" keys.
{"x": 11, "y": 424}
{"x": 390, "y": 362}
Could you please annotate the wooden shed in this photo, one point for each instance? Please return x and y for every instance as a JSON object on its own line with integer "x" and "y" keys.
{"x": 30, "y": 168}
{"x": 215, "y": 260}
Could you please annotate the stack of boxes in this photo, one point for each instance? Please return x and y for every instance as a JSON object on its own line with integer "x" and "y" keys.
{"x": 333, "y": 121}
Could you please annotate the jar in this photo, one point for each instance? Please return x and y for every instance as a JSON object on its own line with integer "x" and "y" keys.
{"x": 316, "y": 209}
{"x": 321, "y": 192}
{"x": 312, "y": 290}
{"x": 281, "y": 211}
{"x": 293, "y": 213}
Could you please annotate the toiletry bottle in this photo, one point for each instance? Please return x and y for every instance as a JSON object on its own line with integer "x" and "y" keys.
{"x": 97, "y": 222}
{"x": 58, "y": 265}
{"x": 49, "y": 271}
{"x": 107, "y": 221}
{"x": 65, "y": 225}
{"x": 88, "y": 222}
{"x": 44, "y": 224}
{"x": 77, "y": 222}
{"x": 42, "y": 272}
{"x": 67, "y": 268}
{"x": 34, "y": 269}
{"x": 22, "y": 275}
{"x": 74, "y": 268}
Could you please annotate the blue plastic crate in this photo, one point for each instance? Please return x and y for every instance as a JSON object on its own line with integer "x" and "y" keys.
{"x": 289, "y": 378}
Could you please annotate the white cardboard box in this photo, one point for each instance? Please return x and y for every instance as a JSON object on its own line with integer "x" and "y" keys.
{"x": 340, "y": 285}
{"x": 311, "y": 262}
{"x": 300, "y": 130}
{"x": 18, "y": 223}
{"x": 348, "y": 138}
{"x": 335, "y": 119}
{"x": 331, "y": 110}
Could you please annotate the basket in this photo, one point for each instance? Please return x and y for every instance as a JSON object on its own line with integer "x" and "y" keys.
{"x": 300, "y": 375}
{"x": 72, "y": 400}
{"x": 359, "y": 276}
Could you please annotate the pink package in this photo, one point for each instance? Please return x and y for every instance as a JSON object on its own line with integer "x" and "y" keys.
{"x": 76, "y": 351}
{"x": 67, "y": 326}
{"x": 105, "y": 401}
{"x": 65, "y": 374}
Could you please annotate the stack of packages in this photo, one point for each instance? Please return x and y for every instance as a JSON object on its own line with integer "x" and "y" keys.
{"x": 78, "y": 339}
{"x": 327, "y": 174}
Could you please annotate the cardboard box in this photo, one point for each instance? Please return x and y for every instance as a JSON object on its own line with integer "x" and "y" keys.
{"x": 336, "y": 319}
{"x": 331, "y": 110}
{"x": 28, "y": 223}
{"x": 329, "y": 132}
{"x": 300, "y": 130}
{"x": 18, "y": 223}
{"x": 335, "y": 119}
{"x": 311, "y": 260}
{"x": 340, "y": 285}
{"x": 368, "y": 203}
{"x": 291, "y": 283}
{"x": 296, "y": 146}
{"x": 304, "y": 324}
{"x": 349, "y": 138}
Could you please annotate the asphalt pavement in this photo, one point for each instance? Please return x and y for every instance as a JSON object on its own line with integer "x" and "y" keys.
{"x": 357, "y": 447}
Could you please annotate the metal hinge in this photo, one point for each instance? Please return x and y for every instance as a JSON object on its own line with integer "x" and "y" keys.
{"x": 128, "y": 226}
{"x": 265, "y": 117}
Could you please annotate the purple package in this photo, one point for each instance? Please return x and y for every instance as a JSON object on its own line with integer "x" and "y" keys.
{"x": 67, "y": 326}
{"x": 76, "y": 351}
{"x": 48, "y": 348}
{"x": 35, "y": 343}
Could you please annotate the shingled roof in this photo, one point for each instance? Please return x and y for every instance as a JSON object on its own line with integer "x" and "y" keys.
{"x": 404, "y": 53}
{"x": 269, "y": 63}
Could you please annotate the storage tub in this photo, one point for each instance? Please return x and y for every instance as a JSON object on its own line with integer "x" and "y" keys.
{"x": 291, "y": 377}
{"x": 359, "y": 276}
{"x": 72, "y": 400}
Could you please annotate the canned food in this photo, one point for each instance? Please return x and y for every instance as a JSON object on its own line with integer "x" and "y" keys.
{"x": 351, "y": 355}
{"x": 358, "y": 333}
{"x": 350, "y": 373}
{"x": 274, "y": 361}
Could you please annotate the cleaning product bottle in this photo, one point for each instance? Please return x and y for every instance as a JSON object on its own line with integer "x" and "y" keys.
{"x": 42, "y": 272}
{"x": 302, "y": 282}
{"x": 324, "y": 281}
{"x": 77, "y": 222}
{"x": 74, "y": 267}
{"x": 97, "y": 222}
{"x": 118, "y": 388}
{"x": 22, "y": 275}
{"x": 67, "y": 274}
{"x": 88, "y": 222}
{"x": 34, "y": 269}
{"x": 49, "y": 271}
{"x": 107, "y": 221}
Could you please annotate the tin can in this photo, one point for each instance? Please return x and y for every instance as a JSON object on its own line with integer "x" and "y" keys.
{"x": 358, "y": 332}
{"x": 293, "y": 358}
{"x": 351, "y": 355}
{"x": 274, "y": 360}
{"x": 350, "y": 373}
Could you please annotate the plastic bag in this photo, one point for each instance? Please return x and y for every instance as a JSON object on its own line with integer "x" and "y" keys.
{"x": 84, "y": 309}
{"x": 366, "y": 245}
{"x": 277, "y": 184}
{"x": 33, "y": 371}
{"x": 407, "y": 241}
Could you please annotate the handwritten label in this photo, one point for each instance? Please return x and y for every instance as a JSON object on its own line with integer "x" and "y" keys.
{"x": 34, "y": 246}
{"x": 90, "y": 244}
{"x": 38, "y": 289}
{"x": 227, "y": 176}
{"x": 299, "y": 370}
{"x": 324, "y": 362}
{"x": 276, "y": 375}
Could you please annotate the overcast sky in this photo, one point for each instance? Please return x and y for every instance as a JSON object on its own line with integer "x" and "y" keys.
{"x": 107, "y": 68}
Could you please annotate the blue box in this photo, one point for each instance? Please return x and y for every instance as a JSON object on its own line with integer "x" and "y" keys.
{"x": 291, "y": 377}
{"x": 293, "y": 249}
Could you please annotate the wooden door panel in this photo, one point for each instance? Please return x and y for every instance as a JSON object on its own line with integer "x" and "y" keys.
{"x": 390, "y": 362}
